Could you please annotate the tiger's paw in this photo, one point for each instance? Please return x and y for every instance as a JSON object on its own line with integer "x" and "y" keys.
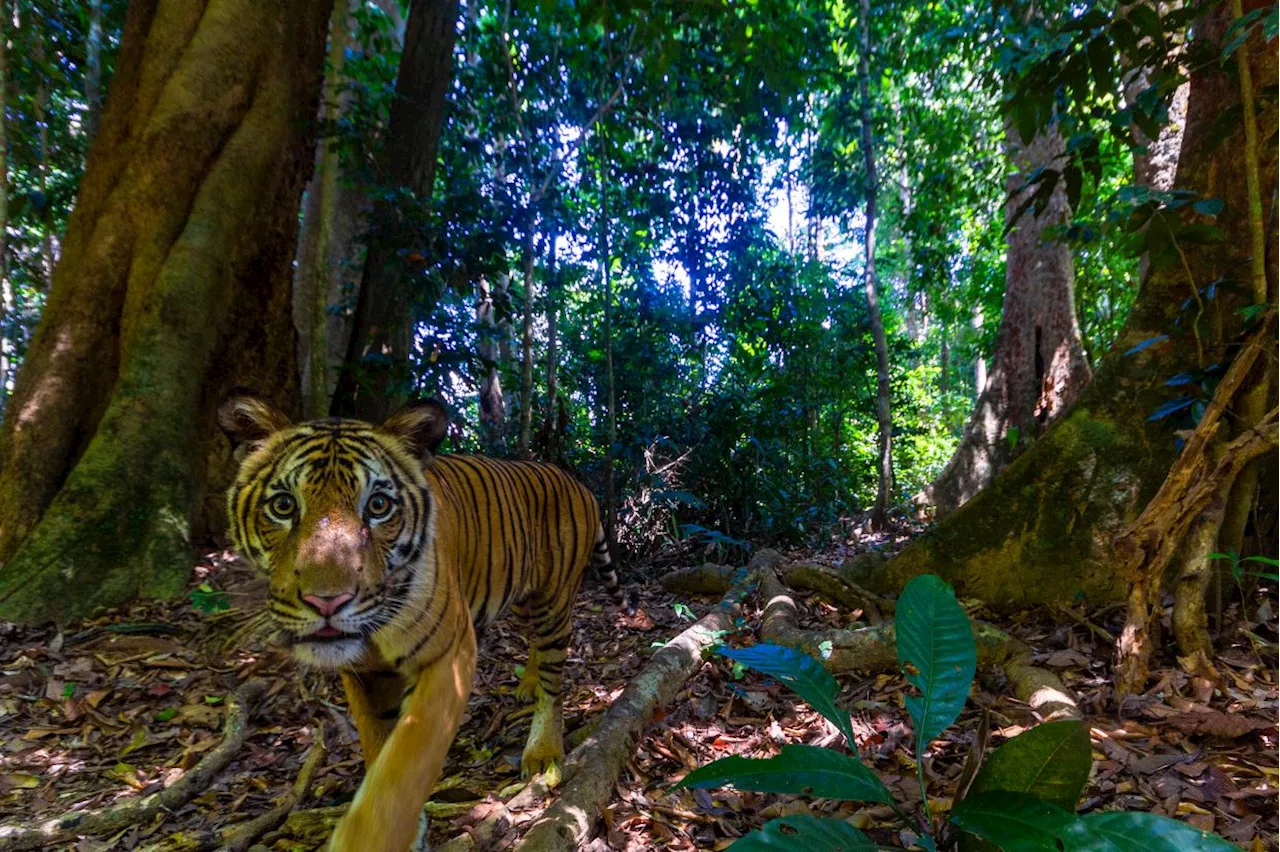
{"x": 549, "y": 770}
{"x": 543, "y": 755}
{"x": 527, "y": 690}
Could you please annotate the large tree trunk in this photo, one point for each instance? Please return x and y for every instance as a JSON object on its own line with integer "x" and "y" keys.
{"x": 1039, "y": 367}
{"x": 173, "y": 285}
{"x": 884, "y": 418}
{"x": 1044, "y": 529}
{"x": 377, "y": 378}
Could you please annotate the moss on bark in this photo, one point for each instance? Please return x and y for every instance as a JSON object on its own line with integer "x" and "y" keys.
{"x": 1043, "y": 530}
{"x": 186, "y": 230}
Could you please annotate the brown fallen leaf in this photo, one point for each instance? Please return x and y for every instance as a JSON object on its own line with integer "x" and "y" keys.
{"x": 1218, "y": 724}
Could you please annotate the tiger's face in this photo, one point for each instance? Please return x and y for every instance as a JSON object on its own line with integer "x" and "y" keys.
{"x": 337, "y": 513}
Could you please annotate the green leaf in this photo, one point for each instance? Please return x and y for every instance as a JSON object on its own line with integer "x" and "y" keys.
{"x": 805, "y": 675}
{"x": 166, "y": 714}
{"x": 813, "y": 834}
{"x": 1138, "y": 831}
{"x": 937, "y": 653}
{"x": 1051, "y": 762}
{"x": 799, "y": 769}
{"x": 1208, "y": 206}
{"x": 1016, "y": 822}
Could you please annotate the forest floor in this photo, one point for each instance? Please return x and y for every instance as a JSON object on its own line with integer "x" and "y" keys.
{"x": 92, "y": 717}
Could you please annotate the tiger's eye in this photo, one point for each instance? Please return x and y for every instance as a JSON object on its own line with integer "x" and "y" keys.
{"x": 283, "y": 506}
{"x": 379, "y": 506}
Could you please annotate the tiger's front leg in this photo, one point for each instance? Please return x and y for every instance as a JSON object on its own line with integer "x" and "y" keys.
{"x": 384, "y": 815}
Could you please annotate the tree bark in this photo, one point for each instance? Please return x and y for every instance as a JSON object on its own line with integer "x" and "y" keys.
{"x": 525, "y": 442}
{"x": 1039, "y": 367}
{"x": 493, "y": 409}
{"x": 550, "y": 425}
{"x": 93, "y": 71}
{"x": 6, "y": 287}
{"x": 1043, "y": 530}
{"x": 377, "y": 377}
{"x": 611, "y": 401}
{"x": 884, "y": 419}
{"x": 173, "y": 285}
{"x": 317, "y": 246}
{"x": 40, "y": 110}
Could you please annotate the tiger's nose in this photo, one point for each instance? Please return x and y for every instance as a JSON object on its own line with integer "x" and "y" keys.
{"x": 328, "y": 606}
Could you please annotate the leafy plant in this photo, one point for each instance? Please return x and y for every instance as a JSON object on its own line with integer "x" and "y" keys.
{"x": 1022, "y": 799}
{"x": 207, "y": 600}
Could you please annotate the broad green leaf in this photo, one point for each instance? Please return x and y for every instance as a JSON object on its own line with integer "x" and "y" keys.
{"x": 810, "y": 833}
{"x": 1015, "y": 822}
{"x": 1138, "y": 831}
{"x": 1050, "y": 761}
{"x": 937, "y": 653}
{"x": 805, "y": 675}
{"x": 798, "y": 769}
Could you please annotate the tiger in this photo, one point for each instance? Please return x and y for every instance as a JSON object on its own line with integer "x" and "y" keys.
{"x": 386, "y": 561}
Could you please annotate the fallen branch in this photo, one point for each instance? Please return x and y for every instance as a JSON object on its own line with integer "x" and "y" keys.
{"x": 592, "y": 769}
{"x": 874, "y": 649}
{"x": 64, "y": 828}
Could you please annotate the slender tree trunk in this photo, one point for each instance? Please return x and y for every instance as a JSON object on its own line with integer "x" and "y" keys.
{"x": 6, "y": 288}
{"x": 884, "y": 420}
{"x": 1039, "y": 367}
{"x": 173, "y": 285}
{"x": 1045, "y": 529}
{"x": 41, "y": 115}
{"x": 377, "y": 377}
{"x": 493, "y": 409}
{"x": 313, "y": 273}
{"x": 944, "y": 384}
{"x": 611, "y": 413}
{"x": 93, "y": 71}
{"x": 525, "y": 442}
{"x": 550, "y": 425}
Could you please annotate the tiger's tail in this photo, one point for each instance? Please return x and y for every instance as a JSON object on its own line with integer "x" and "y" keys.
{"x": 602, "y": 562}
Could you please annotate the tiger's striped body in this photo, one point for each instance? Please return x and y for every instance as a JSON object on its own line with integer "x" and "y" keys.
{"x": 385, "y": 561}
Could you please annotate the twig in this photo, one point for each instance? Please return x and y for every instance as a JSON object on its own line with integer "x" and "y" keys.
{"x": 14, "y": 838}
{"x": 237, "y": 838}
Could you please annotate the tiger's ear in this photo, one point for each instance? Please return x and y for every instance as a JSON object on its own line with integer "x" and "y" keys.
{"x": 247, "y": 419}
{"x": 420, "y": 426}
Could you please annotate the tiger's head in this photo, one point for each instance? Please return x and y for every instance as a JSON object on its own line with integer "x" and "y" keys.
{"x": 338, "y": 514}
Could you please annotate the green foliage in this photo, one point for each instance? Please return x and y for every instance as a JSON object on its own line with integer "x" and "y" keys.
{"x": 937, "y": 653}
{"x": 1050, "y": 762}
{"x": 1022, "y": 799}
{"x": 817, "y": 835}
{"x": 809, "y": 770}
{"x": 804, "y": 674}
{"x": 207, "y": 600}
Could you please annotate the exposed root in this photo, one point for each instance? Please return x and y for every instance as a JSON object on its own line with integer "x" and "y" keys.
{"x": 874, "y": 649}
{"x": 836, "y": 588}
{"x": 65, "y": 828}
{"x": 706, "y": 579}
{"x": 592, "y": 769}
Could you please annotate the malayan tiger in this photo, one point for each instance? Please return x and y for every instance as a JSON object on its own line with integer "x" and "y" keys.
{"x": 385, "y": 561}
